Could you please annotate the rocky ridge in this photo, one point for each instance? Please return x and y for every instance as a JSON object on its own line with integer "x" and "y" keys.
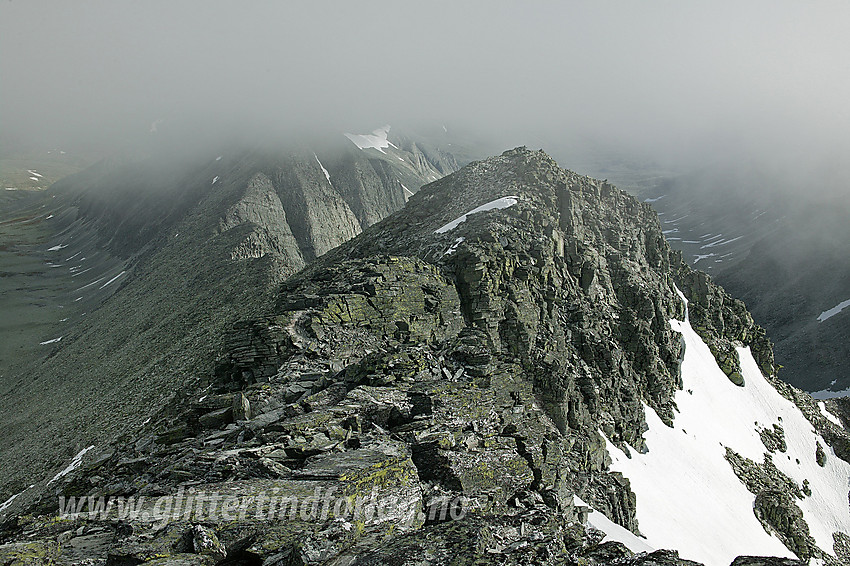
{"x": 468, "y": 376}
{"x": 160, "y": 249}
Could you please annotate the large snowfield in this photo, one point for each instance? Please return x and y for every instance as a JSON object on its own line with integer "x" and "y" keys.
{"x": 689, "y": 498}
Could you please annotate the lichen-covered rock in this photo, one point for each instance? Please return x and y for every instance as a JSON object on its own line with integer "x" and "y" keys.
{"x": 777, "y": 511}
{"x": 205, "y": 541}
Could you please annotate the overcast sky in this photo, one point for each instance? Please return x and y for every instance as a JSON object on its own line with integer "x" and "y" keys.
{"x": 667, "y": 76}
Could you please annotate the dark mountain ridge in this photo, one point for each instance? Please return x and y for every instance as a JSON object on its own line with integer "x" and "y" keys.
{"x": 477, "y": 360}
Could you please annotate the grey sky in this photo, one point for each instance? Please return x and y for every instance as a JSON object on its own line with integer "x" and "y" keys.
{"x": 668, "y": 76}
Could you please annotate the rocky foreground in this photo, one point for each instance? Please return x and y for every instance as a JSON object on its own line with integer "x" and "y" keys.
{"x": 435, "y": 391}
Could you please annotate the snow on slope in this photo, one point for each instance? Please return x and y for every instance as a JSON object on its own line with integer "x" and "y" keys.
{"x": 377, "y": 139}
{"x": 5, "y": 504}
{"x": 612, "y": 530}
{"x": 688, "y": 497}
{"x": 833, "y": 311}
{"x": 499, "y": 203}
{"x": 325, "y": 171}
{"x": 828, "y": 415}
{"x": 75, "y": 463}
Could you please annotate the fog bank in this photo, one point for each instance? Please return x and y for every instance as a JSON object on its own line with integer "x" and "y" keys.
{"x": 678, "y": 82}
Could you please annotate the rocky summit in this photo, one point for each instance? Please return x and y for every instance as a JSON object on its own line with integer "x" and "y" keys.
{"x": 514, "y": 368}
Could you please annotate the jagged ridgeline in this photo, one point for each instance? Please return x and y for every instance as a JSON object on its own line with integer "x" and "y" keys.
{"x": 513, "y": 369}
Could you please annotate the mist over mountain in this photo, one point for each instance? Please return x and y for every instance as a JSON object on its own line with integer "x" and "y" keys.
{"x": 682, "y": 84}
{"x": 255, "y": 252}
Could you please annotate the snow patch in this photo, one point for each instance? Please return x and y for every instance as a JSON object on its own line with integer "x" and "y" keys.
{"x": 615, "y": 532}
{"x": 454, "y": 246}
{"x": 75, "y": 463}
{"x": 376, "y": 140}
{"x": 828, "y": 415}
{"x": 833, "y": 311}
{"x": 34, "y": 173}
{"x": 219, "y": 158}
{"x": 499, "y": 203}
{"x": 612, "y": 530}
{"x": 215, "y": 179}
{"x": 698, "y": 257}
{"x": 51, "y": 341}
{"x": 49, "y": 217}
{"x": 57, "y": 247}
{"x": 656, "y": 199}
{"x": 688, "y": 497}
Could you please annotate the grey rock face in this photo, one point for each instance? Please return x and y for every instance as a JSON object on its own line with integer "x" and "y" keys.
{"x": 271, "y": 234}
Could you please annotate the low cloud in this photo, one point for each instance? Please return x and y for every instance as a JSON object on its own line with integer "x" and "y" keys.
{"x": 681, "y": 82}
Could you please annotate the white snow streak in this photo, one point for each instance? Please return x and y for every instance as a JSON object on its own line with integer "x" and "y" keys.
{"x": 656, "y": 199}
{"x": 720, "y": 243}
{"x": 113, "y": 279}
{"x": 96, "y": 281}
{"x": 57, "y": 248}
{"x": 325, "y": 171}
{"x": 377, "y": 139}
{"x": 5, "y": 504}
{"x": 499, "y": 203}
{"x": 834, "y": 310}
{"x": 828, "y": 415}
{"x": 688, "y": 497}
{"x": 75, "y": 463}
{"x": 51, "y": 341}
{"x": 215, "y": 179}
